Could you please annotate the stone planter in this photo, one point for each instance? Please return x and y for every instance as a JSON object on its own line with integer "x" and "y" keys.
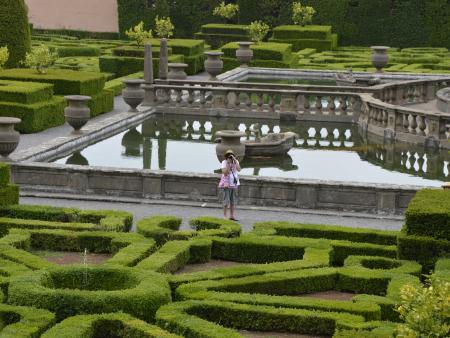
{"x": 244, "y": 54}
{"x": 380, "y": 57}
{"x": 230, "y": 139}
{"x": 133, "y": 94}
{"x": 177, "y": 71}
{"x": 9, "y": 138}
{"x": 77, "y": 113}
{"x": 213, "y": 64}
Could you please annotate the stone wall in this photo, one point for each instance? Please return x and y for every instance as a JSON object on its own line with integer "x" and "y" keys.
{"x": 145, "y": 184}
{"x": 84, "y": 15}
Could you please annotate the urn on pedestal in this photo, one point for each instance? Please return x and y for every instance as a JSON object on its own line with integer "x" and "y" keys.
{"x": 77, "y": 113}
{"x": 244, "y": 54}
{"x": 380, "y": 57}
{"x": 133, "y": 94}
{"x": 9, "y": 138}
{"x": 213, "y": 64}
{"x": 230, "y": 139}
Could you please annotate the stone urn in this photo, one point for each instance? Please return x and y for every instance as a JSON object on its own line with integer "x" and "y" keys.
{"x": 244, "y": 54}
{"x": 380, "y": 57}
{"x": 213, "y": 64}
{"x": 177, "y": 71}
{"x": 9, "y": 138}
{"x": 230, "y": 139}
{"x": 77, "y": 113}
{"x": 133, "y": 94}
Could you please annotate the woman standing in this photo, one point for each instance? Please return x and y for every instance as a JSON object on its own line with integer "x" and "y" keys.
{"x": 229, "y": 184}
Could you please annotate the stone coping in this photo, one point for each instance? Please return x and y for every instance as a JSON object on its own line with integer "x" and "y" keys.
{"x": 240, "y": 74}
{"x": 144, "y": 184}
{"x": 91, "y": 133}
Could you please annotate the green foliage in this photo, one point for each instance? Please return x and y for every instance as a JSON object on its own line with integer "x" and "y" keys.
{"x": 106, "y": 325}
{"x": 258, "y": 31}
{"x": 226, "y": 11}
{"x": 66, "y": 82}
{"x": 68, "y": 291}
{"x": 14, "y": 30}
{"x": 24, "y": 322}
{"x": 5, "y": 174}
{"x": 425, "y": 310}
{"x": 330, "y": 232}
{"x": 138, "y": 34}
{"x": 4, "y": 56}
{"x": 40, "y": 58}
{"x": 302, "y": 15}
{"x": 102, "y": 218}
{"x": 78, "y": 51}
{"x": 158, "y": 227}
{"x": 428, "y": 214}
{"x": 164, "y": 27}
{"x": 9, "y": 195}
{"x": 25, "y": 92}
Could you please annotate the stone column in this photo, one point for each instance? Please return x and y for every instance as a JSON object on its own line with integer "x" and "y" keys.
{"x": 148, "y": 77}
{"x": 163, "y": 59}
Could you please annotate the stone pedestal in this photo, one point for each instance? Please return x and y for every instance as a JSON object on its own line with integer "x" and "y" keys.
{"x": 177, "y": 71}
{"x": 133, "y": 94}
{"x": 163, "y": 59}
{"x": 148, "y": 77}
{"x": 244, "y": 54}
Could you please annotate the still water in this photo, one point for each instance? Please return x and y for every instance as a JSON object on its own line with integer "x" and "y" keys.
{"x": 324, "y": 151}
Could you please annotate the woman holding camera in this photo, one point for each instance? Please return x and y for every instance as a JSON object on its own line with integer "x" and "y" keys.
{"x": 229, "y": 183}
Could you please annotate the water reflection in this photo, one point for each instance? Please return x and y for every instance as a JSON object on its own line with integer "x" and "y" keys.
{"x": 324, "y": 150}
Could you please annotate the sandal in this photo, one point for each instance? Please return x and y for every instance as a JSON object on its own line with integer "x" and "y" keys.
{"x": 233, "y": 219}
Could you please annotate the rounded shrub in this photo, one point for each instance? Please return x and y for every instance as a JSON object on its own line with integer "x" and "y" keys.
{"x": 106, "y": 325}
{"x": 14, "y": 30}
{"x": 73, "y": 290}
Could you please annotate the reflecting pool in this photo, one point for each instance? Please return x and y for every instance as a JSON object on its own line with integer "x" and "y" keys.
{"x": 324, "y": 151}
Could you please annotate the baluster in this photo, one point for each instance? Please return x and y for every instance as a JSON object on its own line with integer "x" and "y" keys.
{"x": 237, "y": 101}
{"x": 271, "y": 102}
{"x": 385, "y": 118}
{"x": 248, "y": 101}
{"x": 421, "y": 124}
{"x": 202, "y": 98}
{"x": 306, "y": 104}
{"x": 405, "y": 122}
{"x": 412, "y": 124}
{"x": 166, "y": 94}
{"x": 343, "y": 104}
{"x": 178, "y": 97}
{"x": 421, "y": 162}
{"x": 331, "y": 105}
{"x": 318, "y": 105}
{"x": 190, "y": 98}
{"x": 260, "y": 101}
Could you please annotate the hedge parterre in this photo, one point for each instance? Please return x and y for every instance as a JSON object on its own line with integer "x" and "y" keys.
{"x": 274, "y": 267}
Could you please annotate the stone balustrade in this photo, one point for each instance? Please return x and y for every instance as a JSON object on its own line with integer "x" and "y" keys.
{"x": 385, "y": 108}
{"x": 265, "y": 102}
{"x": 409, "y": 92}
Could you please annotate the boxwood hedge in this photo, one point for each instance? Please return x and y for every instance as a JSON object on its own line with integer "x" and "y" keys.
{"x": 68, "y": 291}
{"x": 106, "y": 325}
{"x": 24, "y": 322}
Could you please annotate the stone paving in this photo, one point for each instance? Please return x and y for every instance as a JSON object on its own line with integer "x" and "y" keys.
{"x": 247, "y": 215}
{"x": 32, "y": 140}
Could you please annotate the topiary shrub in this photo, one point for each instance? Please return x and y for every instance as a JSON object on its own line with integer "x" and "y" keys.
{"x": 68, "y": 291}
{"x": 14, "y": 30}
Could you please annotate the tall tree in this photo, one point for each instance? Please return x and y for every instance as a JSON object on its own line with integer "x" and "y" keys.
{"x": 14, "y": 30}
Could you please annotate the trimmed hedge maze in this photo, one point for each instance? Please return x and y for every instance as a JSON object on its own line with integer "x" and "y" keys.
{"x": 207, "y": 279}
